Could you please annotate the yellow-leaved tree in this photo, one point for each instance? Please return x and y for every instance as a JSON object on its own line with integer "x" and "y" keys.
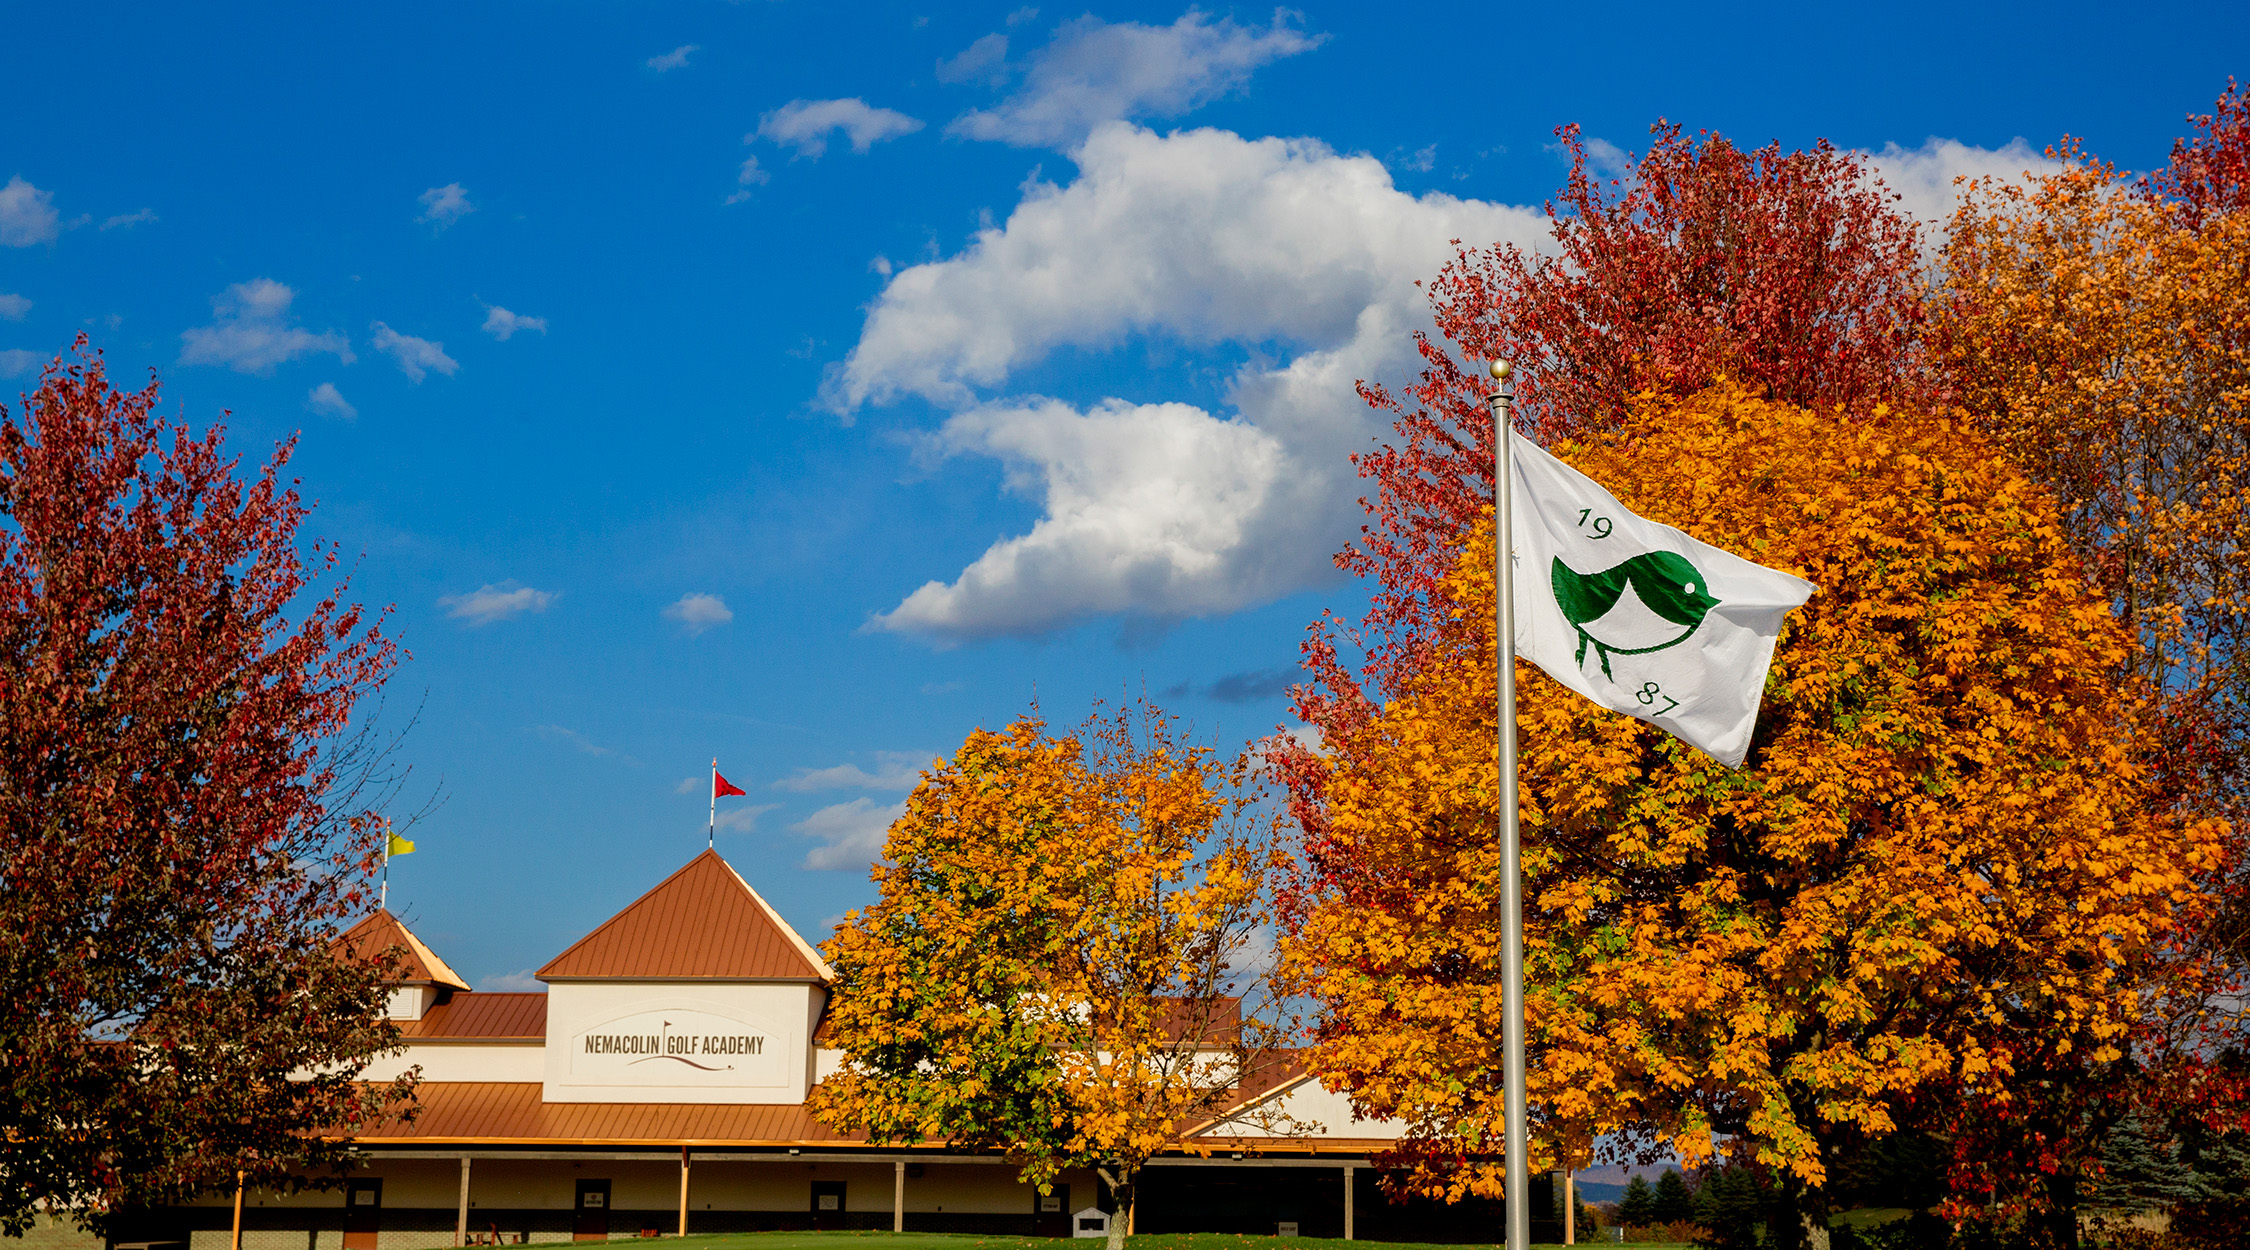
{"x": 1055, "y": 967}
{"x": 1938, "y": 863}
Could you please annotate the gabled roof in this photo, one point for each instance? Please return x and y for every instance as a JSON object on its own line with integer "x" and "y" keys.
{"x": 481, "y": 1017}
{"x": 703, "y": 922}
{"x": 379, "y": 932}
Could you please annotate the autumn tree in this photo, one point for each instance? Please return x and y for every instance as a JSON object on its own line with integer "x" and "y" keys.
{"x": 1791, "y": 273}
{"x": 1941, "y": 866}
{"x": 2098, "y": 328}
{"x": 1053, "y": 968}
{"x": 183, "y": 818}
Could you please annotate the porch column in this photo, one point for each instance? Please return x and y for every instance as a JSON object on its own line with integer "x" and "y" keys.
{"x": 1347, "y": 1202}
{"x": 683, "y": 1188}
{"x": 898, "y": 1196}
{"x": 1569, "y": 1211}
{"x": 461, "y": 1213}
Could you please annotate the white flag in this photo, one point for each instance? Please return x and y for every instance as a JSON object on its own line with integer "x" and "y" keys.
{"x": 1638, "y": 616}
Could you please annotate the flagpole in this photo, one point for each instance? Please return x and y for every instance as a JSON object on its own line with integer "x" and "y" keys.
{"x": 1517, "y": 1140}
{"x": 711, "y": 831}
{"x": 383, "y": 901}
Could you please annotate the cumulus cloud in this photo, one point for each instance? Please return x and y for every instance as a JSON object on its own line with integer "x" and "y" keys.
{"x": 1165, "y": 510}
{"x": 251, "y": 331}
{"x": 417, "y": 358}
{"x": 502, "y": 324}
{"x": 699, "y": 612}
{"x": 126, "y": 221}
{"x": 13, "y": 307}
{"x": 27, "y": 214}
{"x": 442, "y": 206}
{"x": 1923, "y": 178}
{"x": 806, "y": 125}
{"x": 326, "y": 400}
{"x": 674, "y": 59}
{"x": 495, "y": 601}
{"x": 894, "y": 770}
{"x": 851, "y": 834}
{"x": 15, "y": 362}
{"x": 1095, "y": 71}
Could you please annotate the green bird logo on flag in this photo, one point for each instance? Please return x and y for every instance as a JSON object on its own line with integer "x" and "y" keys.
{"x": 1646, "y": 604}
{"x": 1639, "y": 617}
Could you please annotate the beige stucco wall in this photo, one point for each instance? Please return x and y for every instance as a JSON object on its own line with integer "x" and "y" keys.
{"x": 783, "y": 1015}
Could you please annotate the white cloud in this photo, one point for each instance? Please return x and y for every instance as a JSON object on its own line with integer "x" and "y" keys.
{"x": 442, "y": 206}
{"x": 806, "y": 124}
{"x": 851, "y": 834}
{"x": 27, "y": 214}
{"x": 1095, "y": 71}
{"x": 13, "y": 307}
{"x": 1159, "y": 509}
{"x": 749, "y": 176}
{"x": 326, "y": 400}
{"x": 741, "y": 818}
{"x": 126, "y": 221}
{"x": 699, "y": 612}
{"x": 985, "y": 61}
{"x": 415, "y": 357}
{"x": 894, "y": 770}
{"x": 1923, "y": 178}
{"x": 521, "y": 981}
{"x": 251, "y": 332}
{"x": 674, "y": 59}
{"x": 15, "y": 362}
{"x": 502, "y": 324}
{"x": 584, "y": 744}
{"x": 495, "y": 602}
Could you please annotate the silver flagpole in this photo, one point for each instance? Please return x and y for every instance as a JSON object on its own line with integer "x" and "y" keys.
{"x": 1518, "y": 1137}
{"x": 711, "y": 831}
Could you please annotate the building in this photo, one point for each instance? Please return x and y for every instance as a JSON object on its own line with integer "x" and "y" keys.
{"x": 660, "y": 1084}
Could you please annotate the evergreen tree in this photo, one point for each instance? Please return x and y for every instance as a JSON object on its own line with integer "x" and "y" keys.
{"x": 2141, "y": 1169}
{"x": 1728, "y": 1208}
{"x": 1675, "y": 1198}
{"x": 1638, "y": 1208}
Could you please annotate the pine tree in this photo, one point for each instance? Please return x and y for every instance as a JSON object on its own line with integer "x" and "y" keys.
{"x": 1638, "y": 1208}
{"x": 1675, "y": 1199}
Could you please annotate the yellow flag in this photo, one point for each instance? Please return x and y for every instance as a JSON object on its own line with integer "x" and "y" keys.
{"x": 399, "y": 845}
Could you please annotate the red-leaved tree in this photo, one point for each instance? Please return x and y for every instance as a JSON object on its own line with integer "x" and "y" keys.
{"x": 184, "y": 815}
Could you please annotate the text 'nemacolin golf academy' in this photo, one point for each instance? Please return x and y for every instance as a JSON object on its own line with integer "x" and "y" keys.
{"x": 660, "y": 1085}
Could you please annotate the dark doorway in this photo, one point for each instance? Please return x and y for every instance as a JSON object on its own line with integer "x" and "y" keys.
{"x": 1050, "y": 1213}
{"x": 591, "y": 1219}
{"x": 828, "y": 1205}
{"x": 363, "y": 1214}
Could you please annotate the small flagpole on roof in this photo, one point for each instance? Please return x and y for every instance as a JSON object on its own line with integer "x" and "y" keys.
{"x": 711, "y": 831}
{"x": 383, "y": 900}
{"x": 1517, "y": 1137}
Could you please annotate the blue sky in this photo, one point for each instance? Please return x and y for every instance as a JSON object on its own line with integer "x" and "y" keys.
{"x": 808, "y": 384}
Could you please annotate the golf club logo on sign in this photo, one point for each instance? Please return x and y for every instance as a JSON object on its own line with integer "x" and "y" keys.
{"x": 680, "y": 1047}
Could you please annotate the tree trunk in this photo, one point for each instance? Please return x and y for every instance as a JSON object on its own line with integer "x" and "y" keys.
{"x": 1798, "y": 1217}
{"x": 1120, "y": 1184}
{"x": 2062, "y": 1210}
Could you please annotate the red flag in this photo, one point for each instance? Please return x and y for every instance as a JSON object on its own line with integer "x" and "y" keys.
{"x": 721, "y": 787}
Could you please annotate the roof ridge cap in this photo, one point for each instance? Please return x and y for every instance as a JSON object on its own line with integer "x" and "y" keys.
{"x": 804, "y": 948}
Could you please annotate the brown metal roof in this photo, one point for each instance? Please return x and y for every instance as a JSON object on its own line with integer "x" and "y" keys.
{"x": 703, "y": 921}
{"x": 481, "y": 1016}
{"x": 380, "y": 931}
{"x": 507, "y": 1111}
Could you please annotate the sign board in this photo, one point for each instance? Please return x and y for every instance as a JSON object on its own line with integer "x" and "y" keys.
{"x": 682, "y": 1047}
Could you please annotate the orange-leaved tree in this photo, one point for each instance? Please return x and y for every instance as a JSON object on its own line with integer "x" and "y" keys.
{"x": 2098, "y": 327}
{"x": 1055, "y": 967}
{"x": 1938, "y": 865}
